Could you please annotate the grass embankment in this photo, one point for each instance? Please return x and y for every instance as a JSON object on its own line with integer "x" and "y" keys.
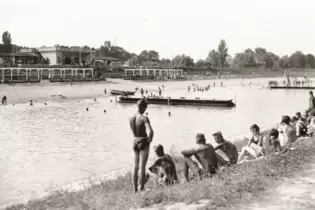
{"x": 230, "y": 186}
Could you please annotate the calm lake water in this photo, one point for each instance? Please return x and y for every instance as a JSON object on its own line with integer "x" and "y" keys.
{"x": 61, "y": 143}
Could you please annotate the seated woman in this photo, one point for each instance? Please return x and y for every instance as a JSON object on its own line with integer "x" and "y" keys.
{"x": 287, "y": 132}
{"x": 255, "y": 144}
{"x": 271, "y": 146}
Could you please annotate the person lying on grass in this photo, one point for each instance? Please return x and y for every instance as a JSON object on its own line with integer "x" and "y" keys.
{"x": 206, "y": 157}
{"x": 255, "y": 144}
{"x": 226, "y": 151}
{"x": 163, "y": 170}
{"x": 271, "y": 146}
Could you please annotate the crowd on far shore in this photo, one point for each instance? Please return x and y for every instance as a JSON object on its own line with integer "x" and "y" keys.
{"x": 205, "y": 159}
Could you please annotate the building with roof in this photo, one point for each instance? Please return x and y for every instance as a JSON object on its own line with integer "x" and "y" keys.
{"x": 59, "y": 55}
{"x": 19, "y": 58}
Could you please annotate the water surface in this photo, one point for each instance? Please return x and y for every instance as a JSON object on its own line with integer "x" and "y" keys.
{"x": 61, "y": 143}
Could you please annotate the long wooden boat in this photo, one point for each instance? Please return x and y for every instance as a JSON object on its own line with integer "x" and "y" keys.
{"x": 291, "y": 87}
{"x": 121, "y": 92}
{"x": 181, "y": 101}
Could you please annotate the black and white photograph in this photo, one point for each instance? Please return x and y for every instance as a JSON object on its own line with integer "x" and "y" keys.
{"x": 157, "y": 105}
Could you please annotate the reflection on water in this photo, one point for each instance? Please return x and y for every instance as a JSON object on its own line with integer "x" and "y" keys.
{"x": 45, "y": 146}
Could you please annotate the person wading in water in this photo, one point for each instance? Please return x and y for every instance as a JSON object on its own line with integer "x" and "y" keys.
{"x": 140, "y": 125}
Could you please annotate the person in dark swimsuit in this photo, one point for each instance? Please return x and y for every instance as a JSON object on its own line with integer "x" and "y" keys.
{"x": 226, "y": 151}
{"x": 204, "y": 154}
{"x": 163, "y": 168}
{"x": 140, "y": 125}
{"x": 255, "y": 144}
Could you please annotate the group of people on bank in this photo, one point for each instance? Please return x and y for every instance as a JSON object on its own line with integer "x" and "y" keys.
{"x": 206, "y": 159}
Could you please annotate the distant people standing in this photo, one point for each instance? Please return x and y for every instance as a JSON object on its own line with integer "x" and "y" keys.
{"x": 105, "y": 91}
{"x": 311, "y": 101}
{"x": 4, "y": 100}
{"x": 213, "y": 84}
{"x": 163, "y": 87}
{"x": 140, "y": 125}
{"x": 160, "y": 92}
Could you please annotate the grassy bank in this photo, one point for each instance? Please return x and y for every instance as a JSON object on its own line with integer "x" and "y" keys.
{"x": 228, "y": 187}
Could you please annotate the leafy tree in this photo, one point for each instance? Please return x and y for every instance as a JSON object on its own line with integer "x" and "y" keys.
{"x": 249, "y": 56}
{"x": 165, "y": 63}
{"x": 143, "y": 56}
{"x": 297, "y": 60}
{"x": 182, "y": 61}
{"x": 6, "y": 47}
{"x": 310, "y": 61}
{"x": 213, "y": 58}
{"x": 153, "y": 55}
{"x": 200, "y": 63}
{"x": 283, "y": 62}
{"x": 223, "y": 53}
{"x": 6, "y": 38}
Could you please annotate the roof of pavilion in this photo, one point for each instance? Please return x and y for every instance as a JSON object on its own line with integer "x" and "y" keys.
{"x": 18, "y": 54}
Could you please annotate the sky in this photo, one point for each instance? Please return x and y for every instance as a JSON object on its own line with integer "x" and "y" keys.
{"x": 170, "y": 27}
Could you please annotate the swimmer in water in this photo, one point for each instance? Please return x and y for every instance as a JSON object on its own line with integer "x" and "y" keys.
{"x": 4, "y": 100}
{"x": 140, "y": 125}
{"x": 45, "y": 103}
{"x": 31, "y": 103}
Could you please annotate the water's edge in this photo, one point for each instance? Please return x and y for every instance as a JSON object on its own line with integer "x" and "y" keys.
{"x": 86, "y": 183}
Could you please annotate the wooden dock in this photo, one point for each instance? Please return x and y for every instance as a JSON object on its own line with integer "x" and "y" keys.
{"x": 181, "y": 101}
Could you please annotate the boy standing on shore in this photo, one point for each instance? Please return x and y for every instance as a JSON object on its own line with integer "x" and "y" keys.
{"x": 140, "y": 125}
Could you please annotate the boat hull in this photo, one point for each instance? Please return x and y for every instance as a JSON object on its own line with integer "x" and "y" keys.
{"x": 119, "y": 92}
{"x": 186, "y": 102}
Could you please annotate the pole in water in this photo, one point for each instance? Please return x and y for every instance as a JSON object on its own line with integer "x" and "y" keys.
{"x": 169, "y": 114}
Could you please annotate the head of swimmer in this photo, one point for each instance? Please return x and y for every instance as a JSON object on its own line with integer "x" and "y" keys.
{"x": 218, "y": 138}
{"x": 254, "y": 129}
{"x": 159, "y": 150}
{"x": 142, "y": 105}
{"x": 200, "y": 138}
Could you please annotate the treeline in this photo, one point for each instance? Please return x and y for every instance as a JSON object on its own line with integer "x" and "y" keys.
{"x": 218, "y": 58}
